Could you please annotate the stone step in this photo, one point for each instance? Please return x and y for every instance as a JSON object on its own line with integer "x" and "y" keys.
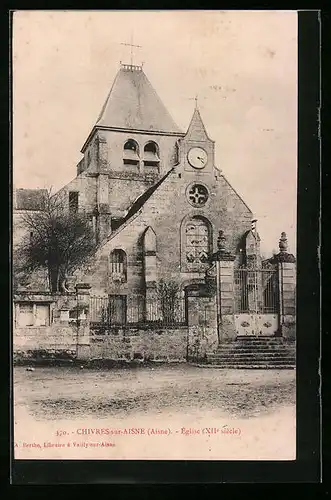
{"x": 259, "y": 341}
{"x": 250, "y": 366}
{"x": 252, "y": 361}
{"x": 260, "y": 338}
{"x": 257, "y": 362}
{"x": 234, "y": 348}
{"x": 256, "y": 345}
{"x": 251, "y": 354}
{"x": 242, "y": 345}
{"x": 288, "y": 359}
{"x": 252, "y": 338}
{"x": 253, "y": 351}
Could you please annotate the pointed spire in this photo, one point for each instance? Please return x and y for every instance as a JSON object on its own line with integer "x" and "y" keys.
{"x": 196, "y": 130}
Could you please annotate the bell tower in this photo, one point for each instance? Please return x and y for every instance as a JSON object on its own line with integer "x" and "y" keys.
{"x": 196, "y": 148}
{"x": 131, "y": 146}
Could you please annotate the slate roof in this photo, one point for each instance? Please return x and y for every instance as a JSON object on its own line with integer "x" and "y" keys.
{"x": 196, "y": 130}
{"x": 133, "y": 104}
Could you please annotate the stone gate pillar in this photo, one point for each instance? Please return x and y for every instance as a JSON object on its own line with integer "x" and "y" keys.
{"x": 83, "y": 320}
{"x": 286, "y": 265}
{"x": 224, "y": 277}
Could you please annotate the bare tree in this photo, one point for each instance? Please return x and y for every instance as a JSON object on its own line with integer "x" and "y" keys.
{"x": 55, "y": 240}
{"x": 168, "y": 296}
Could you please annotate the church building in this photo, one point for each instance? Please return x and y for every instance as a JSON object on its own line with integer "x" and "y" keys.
{"x": 162, "y": 213}
{"x": 156, "y": 198}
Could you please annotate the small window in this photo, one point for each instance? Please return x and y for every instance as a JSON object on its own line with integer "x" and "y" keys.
{"x": 176, "y": 154}
{"x": 42, "y": 315}
{"x": 118, "y": 263}
{"x": 30, "y": 314}
{"x": 151, "y": 155}
{"x": 25, "y": 315}
{"x": 131, "y": 153}
{"x": 73, "y": 314}
{"x": 73, "y": 202}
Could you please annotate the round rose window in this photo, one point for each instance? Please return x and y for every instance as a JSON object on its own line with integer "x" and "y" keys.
{"x": 197, "y": 195}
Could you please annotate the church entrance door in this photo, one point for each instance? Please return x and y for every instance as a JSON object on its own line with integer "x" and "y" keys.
{"x": 256, "y": 302}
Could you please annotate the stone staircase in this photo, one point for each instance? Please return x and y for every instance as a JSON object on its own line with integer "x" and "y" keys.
{"x": 254, "y": 352}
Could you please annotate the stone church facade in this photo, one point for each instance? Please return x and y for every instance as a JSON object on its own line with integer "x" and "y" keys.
{"x": 158, "y": 204}
{"x": 154, "y": 193}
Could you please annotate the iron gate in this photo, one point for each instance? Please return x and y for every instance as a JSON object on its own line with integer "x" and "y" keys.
{"x": 256, "y": 301}
{"x": 120, "y": 311}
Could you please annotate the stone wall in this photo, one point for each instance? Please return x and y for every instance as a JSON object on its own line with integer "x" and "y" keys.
{"x": 202, "y": 340}
{"x": 224, "y": 210}
{"x": 168, "y": 345}
{"x": 68, "y": 333}
{"x": 66, "y": 324}
{"x": 115, "y": 141}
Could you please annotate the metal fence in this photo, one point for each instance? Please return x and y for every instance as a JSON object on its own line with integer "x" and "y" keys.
{"x": 120, "y": 310}
{"x": 256, "y": 290}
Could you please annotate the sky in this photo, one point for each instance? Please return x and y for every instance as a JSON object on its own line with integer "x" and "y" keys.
{"x": 241, "y": 64}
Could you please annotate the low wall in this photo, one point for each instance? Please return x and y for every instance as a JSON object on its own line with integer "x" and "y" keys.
{"x": 45, "y": 337}
{"x": 169, "y": 345}
{"x": 201, "y": 341}
{"x": 50, "y": 342}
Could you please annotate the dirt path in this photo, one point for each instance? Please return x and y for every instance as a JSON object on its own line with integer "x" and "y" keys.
{"x": 259, "y": 405}
{"x": 49, "y": 393}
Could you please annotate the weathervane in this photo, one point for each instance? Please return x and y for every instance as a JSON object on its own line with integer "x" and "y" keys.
{"x": 197, "y": 98}
{"x": 194, "y": 99}
{"x": 131, "y": 45}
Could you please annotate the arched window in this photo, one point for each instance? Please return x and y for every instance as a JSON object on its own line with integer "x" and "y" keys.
{"x": 197, "y": 239}
{"x": 151, "y": 155}
{"x": 118, "y": 265}
{"x": 131, "y": 153}
{"x": 150, "y": 241}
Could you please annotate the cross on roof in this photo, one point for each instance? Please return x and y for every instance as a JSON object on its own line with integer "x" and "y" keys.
{"x": 131, "y": 45}
{"x": 197, "y": 99}
{"x": 194, "y": 99}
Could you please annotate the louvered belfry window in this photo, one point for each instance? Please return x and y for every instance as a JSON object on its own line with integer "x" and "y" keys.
{"x": 151, "y": 155}
{"x": 131, "y": 153}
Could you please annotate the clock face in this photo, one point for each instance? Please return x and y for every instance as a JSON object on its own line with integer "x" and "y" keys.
{"x": 197, "y": 157}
